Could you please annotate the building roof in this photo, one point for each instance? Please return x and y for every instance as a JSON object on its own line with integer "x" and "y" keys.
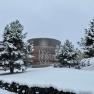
{"x": 44, "y": 41}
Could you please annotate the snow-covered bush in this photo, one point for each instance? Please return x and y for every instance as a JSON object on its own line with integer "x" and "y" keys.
{"x": 24, "y": 89}
{"x": 87, "y": 63}
{"x": 20, "y": 65}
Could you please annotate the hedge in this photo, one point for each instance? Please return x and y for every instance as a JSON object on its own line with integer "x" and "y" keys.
{"x": 24, "y": 89}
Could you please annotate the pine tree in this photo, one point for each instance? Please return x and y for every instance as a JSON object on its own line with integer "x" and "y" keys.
{"x": 88, "y": 41}
{"x": 13, "y": 46}
{"x": 67, "y": 54}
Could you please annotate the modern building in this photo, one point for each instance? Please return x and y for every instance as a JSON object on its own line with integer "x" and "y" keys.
{"x": 42, "y": 51}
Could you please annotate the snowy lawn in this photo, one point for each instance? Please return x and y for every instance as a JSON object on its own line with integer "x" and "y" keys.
{"x": 79, "y": 81}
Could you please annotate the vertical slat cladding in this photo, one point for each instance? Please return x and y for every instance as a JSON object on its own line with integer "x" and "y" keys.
{"x": 44, "y": 50}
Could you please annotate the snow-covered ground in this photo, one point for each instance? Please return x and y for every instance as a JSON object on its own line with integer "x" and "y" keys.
{"x": 5, "y": 92}
{"x": 79, "y": 81}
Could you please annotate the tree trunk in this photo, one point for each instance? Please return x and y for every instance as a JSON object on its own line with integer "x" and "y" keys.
{"x": 11, "y": 67}
{"x": 11, "y": 70}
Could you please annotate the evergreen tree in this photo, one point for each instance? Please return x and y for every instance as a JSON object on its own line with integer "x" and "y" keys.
{"x": 67, "y": 54}
{"x": 14, "y": 48}
{"x": 78, "y": 58}
{"x": 88, "y": 41}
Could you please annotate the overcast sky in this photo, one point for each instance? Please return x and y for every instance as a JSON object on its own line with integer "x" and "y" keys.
{"x": 60, "y": 19}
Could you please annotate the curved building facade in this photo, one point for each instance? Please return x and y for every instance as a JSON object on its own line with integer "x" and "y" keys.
{"x": 43, "y": 50}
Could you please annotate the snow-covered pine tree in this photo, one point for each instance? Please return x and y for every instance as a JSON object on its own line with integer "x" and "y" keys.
{"x": 67, "y": 54}
{"x": 13, "y": 46}
{"x": 88, "y": 41}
